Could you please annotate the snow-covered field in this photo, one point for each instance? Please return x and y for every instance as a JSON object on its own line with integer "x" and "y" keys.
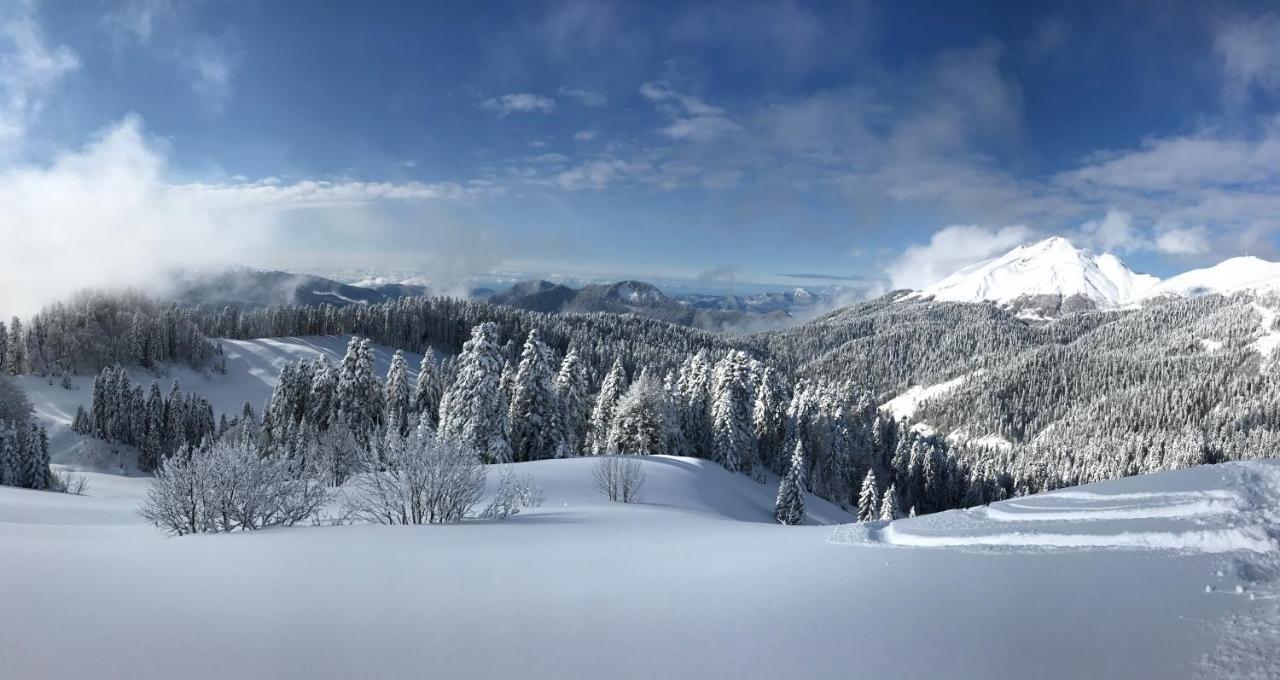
{"x": 1167, "y": 576}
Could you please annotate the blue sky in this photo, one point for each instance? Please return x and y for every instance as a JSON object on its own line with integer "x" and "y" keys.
{"x": 717, "y": 140}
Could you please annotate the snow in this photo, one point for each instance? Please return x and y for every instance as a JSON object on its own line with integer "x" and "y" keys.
{"x": 1051, "y": 267}
{"x": 905, "y": 404}
{"x": 1269, "y": 339}
{"x": 696, "y": 581}
{"x": 1229, "y": 276}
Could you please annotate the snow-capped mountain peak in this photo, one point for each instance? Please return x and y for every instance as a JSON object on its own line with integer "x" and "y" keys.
{"x": 1226, "y": 277}
{"x": 1050, "y": 267}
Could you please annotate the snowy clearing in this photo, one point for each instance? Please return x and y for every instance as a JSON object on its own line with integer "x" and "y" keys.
{"x": 905, "y": 404}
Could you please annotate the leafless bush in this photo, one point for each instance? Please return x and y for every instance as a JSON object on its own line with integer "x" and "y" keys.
{"x": 69, "y": 482}
{"x": 619, "y": 478}
{"x": 227, "y": 487}
{"x": 423, "y": 480}
{"x": 514, "y": 492}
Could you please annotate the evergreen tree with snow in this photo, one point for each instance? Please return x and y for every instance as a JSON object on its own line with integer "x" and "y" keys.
{"x": 693, "y": 394}
{"x": 535, "y": 416}
{"x": 889, "y": 504}
{"x": 322, "y": 398}
{"x": 733, "y": 441}
{"x": 642, "y": 421}
{"x": 398, "y": 396}
{"x": 789, "y": 507}
{"x": 768, "y": 419}
{"x": 869, "y": 499}
{"x": 611, "y": 390}
{"x": 15, "y": 360}
{"x": 359, "y": 405}
{"x": 571, "y": 389}
{"x": 472, "y": 411}
{"x": 427, "y": 391}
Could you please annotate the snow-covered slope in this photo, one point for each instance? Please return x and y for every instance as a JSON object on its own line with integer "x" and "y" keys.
{"x": 1051, "y": 267}
{"x": 1107, "y": 581}
{"x": 1229, "y": 276}
{"x": 252, "y": 369}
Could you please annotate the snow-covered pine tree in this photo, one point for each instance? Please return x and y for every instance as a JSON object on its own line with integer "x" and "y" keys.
{"x": 611, "y": 389}
{"x": 323, "y": 396}
{"x": 889, "y": 504}
{"x": 15, "y": 361}
{"x": 789, "y": 507}
{"x": 869, "y": 498}
{"x": 398, "y": 396}
{"x": 152, "y": 450}
{"x": 768, "y": 419}
{"x": 733, "y": 442}
{"x": 537, "y": 429}
{"x": 641, "y": 420}
{"x": 693, "y": 390}
{"x": 428, "y": 390}
{"x": 571, "y": 389}
{"x": 359, "y": 396}
{"x": 472, "y": 410}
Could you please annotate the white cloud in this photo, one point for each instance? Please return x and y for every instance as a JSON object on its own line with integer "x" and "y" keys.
{"x": 1113, "y": 233}
{"x": 1181, "y": 163}
{"x": 693, "y": 119}
{"x": 108, "y": 215}
{"x": 211, "y": 63}
{"x": 523, "y": 102}
{"x": 700, "y": 128}
{"x": 585, "y": 97}
{"x": 30, "y": 69}
{"x": 949, "y": 249}
{"x": 585, "y": 135}
{"x": 1248, "y": 50}
{"x": 1188, "y": 241}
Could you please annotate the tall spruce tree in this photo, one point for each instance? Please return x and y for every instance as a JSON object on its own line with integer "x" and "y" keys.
{"x": 427, "y": 391}
{"x": 537, "y": 428}
{"x": 733, "y": 442}
{"x": 789, "y": 506}
{"x": 611, "y": 389}
{"x": 398, "y": 397}
{"x": 869, "y": 498}
{"x": 571, "y": 390}
{"x": 472, "y": 411}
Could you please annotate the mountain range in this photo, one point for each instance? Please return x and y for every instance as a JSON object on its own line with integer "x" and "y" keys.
{"x": 1053, "y": 277}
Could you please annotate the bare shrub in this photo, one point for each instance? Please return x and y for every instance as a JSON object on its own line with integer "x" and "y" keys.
{"x": 515, "y": 491}
{"x": 423, "y": 480}
{"x": 229, "y": 486}
{"x": 619, "y": 478}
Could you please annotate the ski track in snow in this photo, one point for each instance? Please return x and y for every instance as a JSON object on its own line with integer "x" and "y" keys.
{"x": 1207, "y": 521}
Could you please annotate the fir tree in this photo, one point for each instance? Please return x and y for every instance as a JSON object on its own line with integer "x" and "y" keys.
{"x": 869, "y": 499}
{"x": 472, "y": 411}
{"x": 889, "y": 504}
{"x": 733, "y": 442}
{"x": 537, "y": 429}
{"x": 789, "y": 507}
{"x": 615, "y": 383}
{"x": 398, "y": 396}
{"x": 571, "y": 390}
{"x": 427, "y": 391}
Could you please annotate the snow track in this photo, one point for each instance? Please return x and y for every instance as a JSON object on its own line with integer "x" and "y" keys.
{"x": 1241, "y": 518}
{"x": 1251, "y": 539}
